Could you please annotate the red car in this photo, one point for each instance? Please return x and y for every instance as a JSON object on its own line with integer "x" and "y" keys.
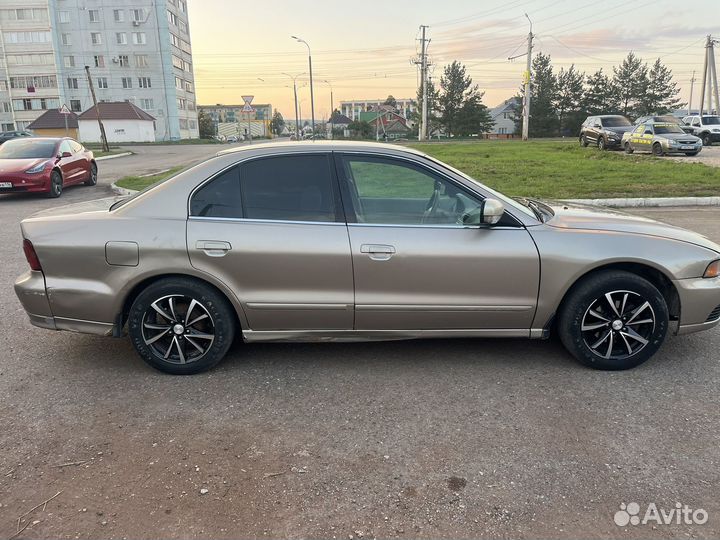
{"x": 45, "y": 165}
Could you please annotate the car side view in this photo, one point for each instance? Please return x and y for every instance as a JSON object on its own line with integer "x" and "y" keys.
{"x": 707, "y": 127}
{"x": 330, "y": 241}
{"x": 604, "y": 131}
{"x": 661, "y": 139}
{"x": 45, "y": 165}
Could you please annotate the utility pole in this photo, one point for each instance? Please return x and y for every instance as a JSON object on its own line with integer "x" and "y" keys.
{"x": 709, "y": 89}
{"x": 526, "y": 80}
{"x": 422, "y": 132}
{"x": 692, "y": 84}
{"x": 297, "y": 120}
{"x": 332, "y": 108}
{"x": 103, "y": 138}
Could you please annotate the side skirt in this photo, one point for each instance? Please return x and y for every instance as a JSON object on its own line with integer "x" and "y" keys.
{"x": 253, "y": 336}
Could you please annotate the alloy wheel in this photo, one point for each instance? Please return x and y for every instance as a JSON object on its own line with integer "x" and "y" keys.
{"x": 178, "y": 329}
{"x": 618, "y": 325}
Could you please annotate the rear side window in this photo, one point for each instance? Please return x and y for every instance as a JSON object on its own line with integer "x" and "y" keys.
{"x": 283, "y": 188}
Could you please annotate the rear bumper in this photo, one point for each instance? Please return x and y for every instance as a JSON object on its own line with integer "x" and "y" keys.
{"x": 699, "y": 300}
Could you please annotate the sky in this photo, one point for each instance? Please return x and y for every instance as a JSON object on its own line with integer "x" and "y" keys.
{"x": 365, "y": 50}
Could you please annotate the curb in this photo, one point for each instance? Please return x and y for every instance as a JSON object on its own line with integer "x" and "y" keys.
{"x": 113, "y": 156}
{"x": 122, "y": 191}
{"x": 651, "y": 202}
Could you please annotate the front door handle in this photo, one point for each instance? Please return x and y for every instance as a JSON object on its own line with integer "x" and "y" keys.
{"x": 213, "y": 248}
{"x": 378, "y": 252}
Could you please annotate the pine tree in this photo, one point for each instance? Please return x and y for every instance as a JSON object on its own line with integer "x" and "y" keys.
{"x": 599, "y": 96}
{"x": 568, "y": 99}
{"x": 661, "y": 93}
{"x": 456, "y": 87}
{"x": 630, "y": 82}
{"x": 474, "y": 116}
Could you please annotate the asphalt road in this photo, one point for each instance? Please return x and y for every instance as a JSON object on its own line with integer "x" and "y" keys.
{"x": 454, "y": 439}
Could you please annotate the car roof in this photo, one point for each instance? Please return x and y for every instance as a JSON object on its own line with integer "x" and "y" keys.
{"x": 321, "y": 145}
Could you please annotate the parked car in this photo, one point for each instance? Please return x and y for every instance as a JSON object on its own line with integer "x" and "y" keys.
{"x": 707, "y": 127}
{"x": 663, "y": 119}
{"x": 331, "y": 241}
{"x": 661, "y": 139}
{"x": 45, "y": 165}
{"x": 605, "y": 131}
{"x": 9, "y": 135}
{"x": 232, "y": 139}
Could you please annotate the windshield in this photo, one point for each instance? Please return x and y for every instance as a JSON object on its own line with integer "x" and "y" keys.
{"x": 616, "y": 121}
{"x": 27, "y": 149}
{"x": 711, "y": 120}
{"x": 667, "y": 128}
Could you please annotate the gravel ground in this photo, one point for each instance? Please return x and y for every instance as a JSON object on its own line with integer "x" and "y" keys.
{"x": 452, "y": 439}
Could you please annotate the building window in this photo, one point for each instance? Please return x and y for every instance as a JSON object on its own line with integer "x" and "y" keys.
{"x": 182, "y": 26}
{"x": 178, "y": 83}
{"x": 24, "y": 14}
{"x": 182, "y": 6}
{"x": 501, "y": 131}
{"x": 94, "y": 15}
{"x": 172, "y": 18}
{"x": 192, "y": 124}
{"x": 144, "y": 82}
{"x": 141, "y": 60}
{"x": 36, "y": 104}
{"x": 3, "y": 85}
{"x": 64, "y": 16}
{"x": 183, "y": 123}
{"x": 146, "y": 104}
{"x": 99, "y": 61}
{"x": 188, "y": 86}
{"x": 8, "y": 127}
{"x": 6, "y": 106}
{"x": 66, "y": 39}
{"x": 191, "y": 105}
{"x": 138, "y": 15}
{"x": 124, "y": 60}
{"x": 181, "y": 103}
{"x": 118, "y": 15}
{"x": 69, "y": 61}
{"x": 41, "y": 59}
{"x": 102, "y": 82}
{"x": 127, "y": 82}
{"x": 72, "y": 83}
{"x": 121, "y": 38}
{"x": 34, "y": 81}
{"x": 96, "y": 38}
{"x": 139, "y": 38}
{"x": 27, "y": 37}
{"x": 75, "y": 105}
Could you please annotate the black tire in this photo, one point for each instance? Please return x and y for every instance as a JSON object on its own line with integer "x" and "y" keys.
{"x": 583, "y": 141}
{"x": 628, "y": 148}
{"x": 56, "y": 185}
{"x": 145, "y": 324}
{"x": 706, "y": 139}
{"x": 588, "y": 297}
{"x": 691, "y": 153}
{"x": 657, "y": 150}
{"x": 92, "y": 179}
{"x": 601, "y": 144}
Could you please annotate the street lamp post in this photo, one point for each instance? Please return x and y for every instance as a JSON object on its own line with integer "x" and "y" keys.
{"x": 312, "y": 98}
{"x": 332, "y": 108}
{"x": 297, "y": 119}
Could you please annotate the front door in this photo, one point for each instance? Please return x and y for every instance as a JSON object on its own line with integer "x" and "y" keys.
{"x": 418, "y": 264}
{"x": 272, "y": 229}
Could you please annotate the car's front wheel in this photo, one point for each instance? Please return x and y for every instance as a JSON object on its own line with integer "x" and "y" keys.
{"x": 628, "y": 148}
{"x": 602, "y": 145}
{"x": 56, "y": 185}
{"x": 658, "y": 150}
{"x": 613, "y": 320}
{"x": 181, "y": 326}
{"x": 706, "y": 139}
{"x": 92, "y": 175}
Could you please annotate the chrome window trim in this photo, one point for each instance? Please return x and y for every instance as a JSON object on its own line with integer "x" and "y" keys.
{"x": 261, "y": 221}
{"x": 434, "y": 226}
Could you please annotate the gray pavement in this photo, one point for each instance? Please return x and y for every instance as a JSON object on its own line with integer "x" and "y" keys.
{"x": 452, "y": 439}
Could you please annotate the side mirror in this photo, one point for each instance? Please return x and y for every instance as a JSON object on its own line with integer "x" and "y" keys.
{"x": 598, "y": 126}
{"x": 66, "y": 154}
{"x": 491, "y": 212}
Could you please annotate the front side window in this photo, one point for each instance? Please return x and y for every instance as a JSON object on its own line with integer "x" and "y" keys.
{"x": 391, "y": 192}
{"x": 282, "y": 188}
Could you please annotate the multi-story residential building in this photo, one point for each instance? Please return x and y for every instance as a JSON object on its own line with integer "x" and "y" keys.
{"x": 353, "y": 108}
{"x": 136, "y": 51}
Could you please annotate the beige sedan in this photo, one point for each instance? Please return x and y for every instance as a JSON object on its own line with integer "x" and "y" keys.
{"x": 328, "y": 241}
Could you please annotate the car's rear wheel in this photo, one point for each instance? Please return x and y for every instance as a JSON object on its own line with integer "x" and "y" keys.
{"x": 613, "y": 320}
{"x": 628, "y": 148}
{"x": 56, "y": 185}
{"x": 602, "y": 145}
{"x": 706, "y": 139}
{"x": 181, "y": 326}
{"x": 92, "y": 177}
{"x": 658, "y": 150}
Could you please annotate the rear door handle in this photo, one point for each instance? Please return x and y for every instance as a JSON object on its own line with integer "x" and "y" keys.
{"x": 213, "y": 248}
{"x": 378, "y": 252}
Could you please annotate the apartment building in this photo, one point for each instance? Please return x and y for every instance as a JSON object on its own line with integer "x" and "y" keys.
{"x": 137, "y": 51}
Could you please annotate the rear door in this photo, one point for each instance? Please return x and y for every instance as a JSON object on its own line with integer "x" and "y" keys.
{"x": 273, "y": 230}
{"x": 418, "y": 265}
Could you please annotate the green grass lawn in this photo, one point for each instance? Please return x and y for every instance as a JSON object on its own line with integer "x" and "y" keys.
{"x": 560, "y": 169}
{"x": 141, "y": 182}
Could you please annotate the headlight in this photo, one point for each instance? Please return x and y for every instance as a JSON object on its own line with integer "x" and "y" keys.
{"x": 713, "y": 270}
{"x": 37, "y": 168}
{"x": 716, "y": 130}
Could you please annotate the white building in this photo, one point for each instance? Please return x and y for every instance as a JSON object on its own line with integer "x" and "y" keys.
{"x": 353, "y": 108}
{"x": 504, "y": 117}
{"x": 137, "y": 51}
{"x": 123, "y": 122}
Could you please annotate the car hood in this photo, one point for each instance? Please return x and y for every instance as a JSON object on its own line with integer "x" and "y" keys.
{"x": 620, "y": 129}
{"x": 78, "y": 209}
{"x": 19, "y": 165}
{"x": 577, "y": 216}
{"x": 678, "y": 136}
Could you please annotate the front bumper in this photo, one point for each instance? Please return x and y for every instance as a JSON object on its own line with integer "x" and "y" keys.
{"x": 699, "y": 302}
{"x": 613, "y": 143}
{"x": 31, "y": 183}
